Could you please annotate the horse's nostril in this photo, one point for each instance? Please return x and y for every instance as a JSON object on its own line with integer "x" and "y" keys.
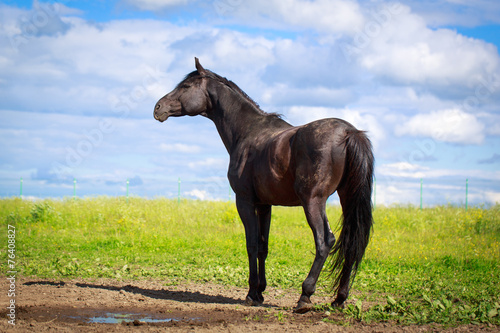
{"x": 157, "y": 106}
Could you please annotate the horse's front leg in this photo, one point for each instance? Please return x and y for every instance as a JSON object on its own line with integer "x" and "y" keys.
{"x": 264, "y": 215}
{"x": 248, "y": 215}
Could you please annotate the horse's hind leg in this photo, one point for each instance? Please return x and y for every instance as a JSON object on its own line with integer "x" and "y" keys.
{"x": 324, "y": 240}
{"x": 342, "y": 294}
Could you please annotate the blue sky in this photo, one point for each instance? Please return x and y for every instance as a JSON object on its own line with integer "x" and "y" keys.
{"x": 79, "y": 80}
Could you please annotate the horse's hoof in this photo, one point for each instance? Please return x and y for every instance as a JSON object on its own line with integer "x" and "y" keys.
{"x": 336, "y": 304}
{"x": 251, "y": 302}
{"x": 303, "y": 307}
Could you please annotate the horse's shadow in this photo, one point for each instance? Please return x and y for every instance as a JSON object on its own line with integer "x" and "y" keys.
{"x": 165, "y": 294}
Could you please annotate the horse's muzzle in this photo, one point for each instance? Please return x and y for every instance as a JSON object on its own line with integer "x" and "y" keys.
{"x": 159, "y": 114}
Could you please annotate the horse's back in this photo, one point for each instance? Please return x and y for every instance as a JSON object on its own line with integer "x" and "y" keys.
{"x": 328, "y": 130}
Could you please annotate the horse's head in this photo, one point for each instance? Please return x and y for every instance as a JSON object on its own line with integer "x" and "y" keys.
{"x": 189, "y": 98}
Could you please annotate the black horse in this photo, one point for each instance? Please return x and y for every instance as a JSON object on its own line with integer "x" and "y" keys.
{"x": 275, "y": 163}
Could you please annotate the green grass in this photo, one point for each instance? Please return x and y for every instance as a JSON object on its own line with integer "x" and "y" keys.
{"x": 439, "y": 265}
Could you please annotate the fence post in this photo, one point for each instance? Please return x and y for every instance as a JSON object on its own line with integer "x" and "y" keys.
{"x": 374, "y": 192}
{"x": 421, "y": 185}
{"x": 21, "y": 189}
{"x": 466, "y": 193}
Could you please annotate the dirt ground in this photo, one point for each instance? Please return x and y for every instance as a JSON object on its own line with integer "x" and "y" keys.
{"x": 151, "y": 306}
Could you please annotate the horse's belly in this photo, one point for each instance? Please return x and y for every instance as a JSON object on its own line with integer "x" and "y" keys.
{"x": 274, "y": 181}
{"x": 278, "y": 192}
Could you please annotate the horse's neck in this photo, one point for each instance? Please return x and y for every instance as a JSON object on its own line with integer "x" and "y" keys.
{"x": 235, "y": 117}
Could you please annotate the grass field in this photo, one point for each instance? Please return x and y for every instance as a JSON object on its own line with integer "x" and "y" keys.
{"x": 438, "y": 265}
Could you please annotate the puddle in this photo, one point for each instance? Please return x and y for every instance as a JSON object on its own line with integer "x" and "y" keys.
{"x": 119, "y": 318}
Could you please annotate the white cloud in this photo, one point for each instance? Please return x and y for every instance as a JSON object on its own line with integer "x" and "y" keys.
{"x": 110, "y": 49}
{"x": 392, "y": 43}
{"x": 402, "y": 182}
{"x": 91, "y": 68}
{"x": 329, "y": 15}
{"x": 493, "y": 197}
{"x": 404, "y": 49}
{"x": 283, "y": 95}
{"x": 402, "y": 170}
{"x": 405, "y": 166}
{"x": 457, "y": 12}
{"x": 209, "y": 163}
{"x": 180, "y": 148}
{"x": 157, "y": 4}
{"x": 199, "y": 194}
{"x": 492, "y": 122}
{"x": 408, "y": 192}
{"x": 452, "y": 125}
{"x": 417, "y": 171}
{"x": 403, "y": 193}
{"x": 240, "y": 51}
{"x": 326, "y": 16}
{"x": 361, "y": 120}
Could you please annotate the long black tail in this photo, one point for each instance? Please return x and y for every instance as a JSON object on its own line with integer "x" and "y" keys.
{"x": 355, "y": 195}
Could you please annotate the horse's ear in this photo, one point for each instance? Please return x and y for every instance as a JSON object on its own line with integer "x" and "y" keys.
{"x": 199, "y": 67}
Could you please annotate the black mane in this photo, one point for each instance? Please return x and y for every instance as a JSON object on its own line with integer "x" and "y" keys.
{"x": 234, "y": 87}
